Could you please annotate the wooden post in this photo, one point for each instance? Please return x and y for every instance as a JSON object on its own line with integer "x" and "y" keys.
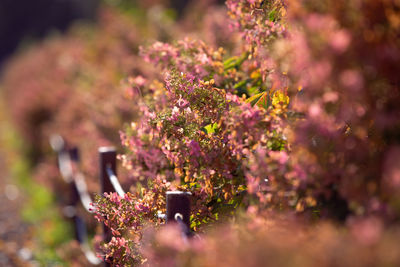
{"x": 79, "y": 224}
{"x": 107, "y": 157}
{"x": 74, "y": 197}
{"x": 178, "y": 204}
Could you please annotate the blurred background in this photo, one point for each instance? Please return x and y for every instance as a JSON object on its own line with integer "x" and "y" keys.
{"x": 24, "y": 22}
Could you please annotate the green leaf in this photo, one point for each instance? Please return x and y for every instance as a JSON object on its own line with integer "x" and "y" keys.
{"x": 272, "y": 15}
{"x": 254, "y": 90}
{"x": 211, "y": 128}
{"x": 260, "y": 100}
{"x": 230, "y": 61}
{"x": 253, "y": 100}
{"x": 234, "y": 62}
{"x": 241, "y": 83}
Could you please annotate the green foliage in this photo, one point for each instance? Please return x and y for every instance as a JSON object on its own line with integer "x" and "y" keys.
{"x": 211, "y": 128}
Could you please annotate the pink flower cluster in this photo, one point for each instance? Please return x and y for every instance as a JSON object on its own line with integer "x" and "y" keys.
{"x": 186, "y": 56}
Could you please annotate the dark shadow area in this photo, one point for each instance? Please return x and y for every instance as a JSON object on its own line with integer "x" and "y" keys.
{"x": 27, "y": 19}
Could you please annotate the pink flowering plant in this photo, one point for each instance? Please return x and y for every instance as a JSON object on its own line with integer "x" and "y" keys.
{"x": 299, "y": 116}
{"x": 276, "y": 115}
{"x": 198, "y": 131}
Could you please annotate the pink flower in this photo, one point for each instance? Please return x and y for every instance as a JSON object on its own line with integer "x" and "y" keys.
{"x": 194, "y": 148}
{"x": 182, "y": 103}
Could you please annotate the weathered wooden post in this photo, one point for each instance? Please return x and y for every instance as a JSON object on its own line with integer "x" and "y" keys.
{"x": 178, "y": 209}
{"x": 107, "y": 158}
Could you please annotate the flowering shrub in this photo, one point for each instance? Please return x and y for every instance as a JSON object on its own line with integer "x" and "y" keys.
{"x": 196, "y": 134}
{"x": 124, "y": 216}
{"x": 224, "y": 129}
